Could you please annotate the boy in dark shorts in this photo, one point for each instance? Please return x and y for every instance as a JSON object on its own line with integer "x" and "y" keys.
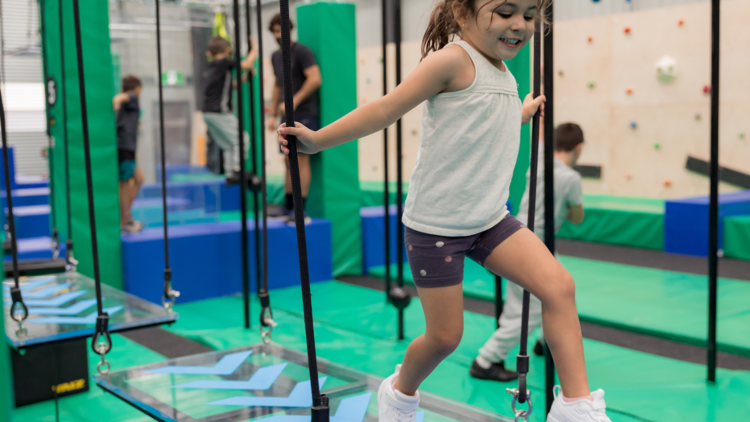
{"x": 126, "y": 106}
{"x": 217, "y": 103}
{"x": 306, "y": 82}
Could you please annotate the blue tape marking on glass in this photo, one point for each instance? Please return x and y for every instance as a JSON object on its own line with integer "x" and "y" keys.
{"x": 270, "y": 385}
{"x": 60, "y": 308}
{"x": 56, "y": 301}
{"x": 226, "y": 366}
{"x": 70, "y": 310}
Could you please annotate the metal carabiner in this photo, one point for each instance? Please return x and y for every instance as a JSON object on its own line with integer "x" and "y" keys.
{"x": 267, "y": 324}
{"x": 103, "y": 367}
{"x": 169, "y": 302}
{"x": 520, "y": 414}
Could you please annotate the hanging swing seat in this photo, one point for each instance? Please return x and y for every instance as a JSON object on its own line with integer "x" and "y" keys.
{"x": 261, "y": 382}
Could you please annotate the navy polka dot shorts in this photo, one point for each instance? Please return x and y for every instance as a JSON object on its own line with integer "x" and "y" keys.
{"x": 438, "y": 261}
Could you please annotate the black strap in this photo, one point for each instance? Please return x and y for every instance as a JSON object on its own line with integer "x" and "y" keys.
{"x": 102, "y": 321}
{"x": 243, "y": 178}
{"x": 64, "y": 119}
{"x": 523, "y": 356}
{"x": 266, "y": 317}
{"x": 50, "y": 155}
{"x": 320, "y": 410}
{"x": 168, "y": 295}
{"x": 386, "y": 193}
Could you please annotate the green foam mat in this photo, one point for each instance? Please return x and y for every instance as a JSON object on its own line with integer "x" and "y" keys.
{"x": 95, "y": 405}
{"x": 737, "y": 237}
{"x": 619, "y": 220}
{"x": 664, "y": 303}
{"x": 355, "y": 328}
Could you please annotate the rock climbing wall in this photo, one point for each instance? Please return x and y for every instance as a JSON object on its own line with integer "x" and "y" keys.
{"x": 641, "y": 125}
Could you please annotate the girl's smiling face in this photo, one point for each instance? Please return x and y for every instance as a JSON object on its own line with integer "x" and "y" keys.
{"x": 499, "y": 29}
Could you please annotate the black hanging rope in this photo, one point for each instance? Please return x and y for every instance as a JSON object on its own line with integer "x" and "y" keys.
{"x": 266, "y": 314}
{"x": 521, "y": 395}
{"x": 18, "y": 310}
{"x": 549, "y": 182}
{"x": 50, "y": 156}
{"x": 386, "y": 199}
{"x": 169, "y": 296}
{"x": 69, "y": 257}
{"x": 254, "y": 157}
{"x": 320, "y": 410}
{"x": 713, "y": 222}
{"x": 243, "y": 178}
{"x": 102, "y": 320}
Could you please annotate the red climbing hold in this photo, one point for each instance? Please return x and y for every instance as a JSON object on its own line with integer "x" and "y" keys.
{"x": 627, "y": 29}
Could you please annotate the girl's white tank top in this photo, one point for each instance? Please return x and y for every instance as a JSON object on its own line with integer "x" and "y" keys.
{"x": 468, "y": 150}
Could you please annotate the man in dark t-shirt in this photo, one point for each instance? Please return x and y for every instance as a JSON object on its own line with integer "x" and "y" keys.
{"x": 306, "y": 81}
{"x": 128, "y": 111}
{"x": 217, "y": 103}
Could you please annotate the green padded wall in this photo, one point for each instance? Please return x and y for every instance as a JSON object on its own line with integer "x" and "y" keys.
{"x": 737, "y": 237}
{"x": 99, "y": 91}
{"x": 329, "y": 30}
{"x": 520, "y": 67}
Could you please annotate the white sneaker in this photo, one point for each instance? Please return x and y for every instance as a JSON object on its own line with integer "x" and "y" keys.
{"x": 393, "y": 405}
{"x": 580, "y": 410}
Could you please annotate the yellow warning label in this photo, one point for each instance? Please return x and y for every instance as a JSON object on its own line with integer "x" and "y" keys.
{"x": 67, "y": 387}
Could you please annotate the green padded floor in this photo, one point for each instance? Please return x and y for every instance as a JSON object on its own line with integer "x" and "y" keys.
{"x": 620, "y": 220}
{"x": 664, "y": 303}
{"x": 737, "y": 237}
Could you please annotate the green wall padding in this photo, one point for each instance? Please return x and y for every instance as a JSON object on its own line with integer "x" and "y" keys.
{"x": 329, "y": 30}
{"x": 520, "y": 67}
{"x": 619, "y": 220}
{"x": 737, "y": 237}
{"x": 99, "y": 92}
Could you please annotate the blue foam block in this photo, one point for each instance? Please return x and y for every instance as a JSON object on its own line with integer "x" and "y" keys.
{"x": 35, "y": 248}
{"x": 23, "y": 198}
{"x": 686, "y": 221}
{"x": 31, "y": 221}
{"x": 210, "y": 195}
{"x": 205, "y": 258}
{"x": 30, "y": 182}
{"x": 179, "y": 169}
{"x": 373, "y": 236}
{"x": 12, "y": 161}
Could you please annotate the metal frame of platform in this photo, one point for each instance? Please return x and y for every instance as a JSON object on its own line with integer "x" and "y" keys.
{"x": 271, "y": 393}
{"x": 63, "y": 307}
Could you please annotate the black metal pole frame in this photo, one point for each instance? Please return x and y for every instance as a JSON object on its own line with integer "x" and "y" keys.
{"x": 168, "y": 295}
{"x": 713, "y": 223}
{"x": 64, "y": 119}
{"x": 320, "y": 409}
{"x": 386, "y": 193}
{"x": 254, "y": 155}
{"x": 50, "y": 146}
{"x": 399, "y": 169}
{"x": 243, "y": 178}
{"x": 498, "y": 299}
{"x": 549, "y": 182}
{"x": 265, "y": 300}
{"x": 522, "y": 365}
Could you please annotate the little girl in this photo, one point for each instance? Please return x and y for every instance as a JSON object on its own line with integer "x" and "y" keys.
{"x": 455, "y": 208}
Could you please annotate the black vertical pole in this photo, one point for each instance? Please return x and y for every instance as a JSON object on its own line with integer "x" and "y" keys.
{"x": 549, "y": 182}
{"x": 254, "y": 153}
{"x": 168, "y": 295}
{"x": 50, "y": 156}
{"x": 243, "y": 179}
{"x": 498, "y": 299}
{"x": 386, "y": 199}
{"x": 64, "y": 120}
{"x": 320, "y": 409}
{"x": 265, "y": 301}
{"x": 399, "y": 172}
{"x": 713, "y": 223}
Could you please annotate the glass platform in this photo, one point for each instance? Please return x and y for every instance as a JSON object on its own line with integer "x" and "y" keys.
{"x": 262, "y": 383}
{"x": 63, "y": 307}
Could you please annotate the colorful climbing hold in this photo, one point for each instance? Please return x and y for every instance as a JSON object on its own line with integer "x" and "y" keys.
{"x": 591, "y": 39}
{"x": 633, "y": 125}
{"x": 368, "y": 80}
{"x": 627, "y": 30}
{"x": 592, "y": 85}
{"x": 707, "y": 89}
{"x": 742, "y": 135}
{"x": 667, "y": 183}
{"x": 657, "y": 145}
{"x": 681, "y": 22}
{"x": 697, "y": 116}
{"x": 629, "y": 91}
{"x": 628, "y": 176}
